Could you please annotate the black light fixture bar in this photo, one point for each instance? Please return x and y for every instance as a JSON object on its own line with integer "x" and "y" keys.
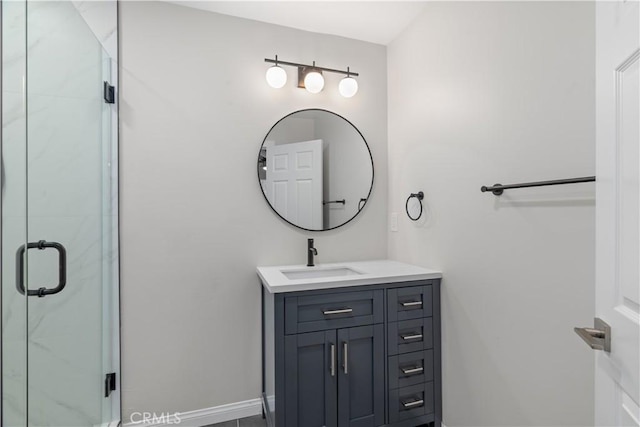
{"x": 498, "y": 189}
{"x": 295, "y": 64}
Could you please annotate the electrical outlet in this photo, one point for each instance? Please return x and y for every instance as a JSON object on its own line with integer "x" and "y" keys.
{"x": 393, "y": 222}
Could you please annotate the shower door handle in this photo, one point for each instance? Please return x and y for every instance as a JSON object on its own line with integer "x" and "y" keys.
{"x": 62, "y": 268}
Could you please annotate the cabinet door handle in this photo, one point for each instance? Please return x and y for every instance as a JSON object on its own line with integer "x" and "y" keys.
{"x": 413, "y": 404}
{"x": 411, "y": 337}
{"x": 339, "y": 311}
{"x": 332, "y": 369}
{"x": 345, "y": 352}
{"x": 408, "y": 371}
{"x": 411, "y": 303}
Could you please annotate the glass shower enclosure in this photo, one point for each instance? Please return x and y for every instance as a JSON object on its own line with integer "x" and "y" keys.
{"x": 59, "y": 214}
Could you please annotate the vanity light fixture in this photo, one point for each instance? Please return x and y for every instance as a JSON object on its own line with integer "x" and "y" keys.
{"x": 276, "y": 76}
{"x": 310, "y": 77}
{"x": 348, "y": 86}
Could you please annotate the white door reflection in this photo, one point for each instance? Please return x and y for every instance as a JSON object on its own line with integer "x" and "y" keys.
{"x": 294, "y": 182}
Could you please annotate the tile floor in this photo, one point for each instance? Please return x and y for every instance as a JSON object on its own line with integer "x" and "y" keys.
{"x": 256, "y": 421}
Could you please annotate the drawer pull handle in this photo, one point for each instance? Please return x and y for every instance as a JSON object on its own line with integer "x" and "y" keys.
{"x": 413, "y": 404}
{"x": 411, "y": 303}
{"x": 339, "y": 311}
{"x": 411, "y": 337}
{"x": 408, "y": 371}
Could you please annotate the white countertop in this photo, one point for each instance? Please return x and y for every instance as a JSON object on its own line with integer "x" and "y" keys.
{"x": 371, "y": 273}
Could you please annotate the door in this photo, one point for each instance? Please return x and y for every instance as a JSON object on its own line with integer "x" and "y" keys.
{"x": 294, "y": 182}
{"x": 59, "y": 218}
{"x": 617, "y": 210}
{"x": 310, "y": 379}
{"x": 361, "y": 376}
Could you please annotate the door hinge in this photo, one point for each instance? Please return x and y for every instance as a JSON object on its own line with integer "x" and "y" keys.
{"x": 109, "y": 383}
{"x": 109, "y": 93}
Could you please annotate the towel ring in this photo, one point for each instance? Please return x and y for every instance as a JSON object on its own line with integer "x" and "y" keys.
{"x": 419, "y": 195}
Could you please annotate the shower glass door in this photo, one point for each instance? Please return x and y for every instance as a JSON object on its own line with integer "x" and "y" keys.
{"x": 59, "y": 212}
{"x": 13, "y": 185}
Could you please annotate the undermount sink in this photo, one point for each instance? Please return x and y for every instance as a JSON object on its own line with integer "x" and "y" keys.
{"x": 318, "y": 273}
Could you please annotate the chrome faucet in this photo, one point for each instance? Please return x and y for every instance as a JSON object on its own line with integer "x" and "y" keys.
{"x": 311, "y": 251}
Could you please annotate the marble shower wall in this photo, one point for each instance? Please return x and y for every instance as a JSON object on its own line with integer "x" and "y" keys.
{"x": 102, "y": 18}
{"x": 66, "y": 161}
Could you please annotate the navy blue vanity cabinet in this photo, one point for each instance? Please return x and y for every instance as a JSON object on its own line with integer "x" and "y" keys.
{"x": 413, "y": 351}
{"x": 334, "y": 358}
{"x": 365, "y": 356}
{"x": 335, "y": 377}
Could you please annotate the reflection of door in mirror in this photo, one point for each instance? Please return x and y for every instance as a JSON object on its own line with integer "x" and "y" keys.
{"x": 345, "y": 177}
{"x": 294, "y": 182}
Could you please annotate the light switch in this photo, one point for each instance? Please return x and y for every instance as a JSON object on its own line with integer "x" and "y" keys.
{"x": 393, "y": 220}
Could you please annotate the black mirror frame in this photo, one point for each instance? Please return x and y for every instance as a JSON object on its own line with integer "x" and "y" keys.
{"x": 370, "y": 158}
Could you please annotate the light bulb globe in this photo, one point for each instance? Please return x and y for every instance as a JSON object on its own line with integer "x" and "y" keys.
{"x": 314, "y": 82}
{"x": 348, "y": 87}
{"x": 276, "y": 77}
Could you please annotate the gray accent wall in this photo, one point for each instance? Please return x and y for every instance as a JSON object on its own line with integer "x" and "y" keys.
{"x": 194, "y": 110}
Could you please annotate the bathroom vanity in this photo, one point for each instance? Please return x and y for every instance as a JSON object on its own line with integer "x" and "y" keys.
{"x": 351, "y": 344}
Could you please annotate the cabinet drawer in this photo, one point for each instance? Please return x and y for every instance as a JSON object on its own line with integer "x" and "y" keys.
{"x": 329, "y": 311}
{"x": 410, "y": 369}
{"x": 412, "y": 302}
{"x": 410, "y": 335}
{"x": 410, "y": 402}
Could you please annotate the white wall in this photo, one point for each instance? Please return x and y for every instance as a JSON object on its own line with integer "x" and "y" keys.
{"x": 194, "y": 224}
{"x": 491, "y": 92}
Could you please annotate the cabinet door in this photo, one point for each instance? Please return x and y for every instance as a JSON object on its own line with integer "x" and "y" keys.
{"x": 361, "y": 376}
{"x": 311, "y": 369}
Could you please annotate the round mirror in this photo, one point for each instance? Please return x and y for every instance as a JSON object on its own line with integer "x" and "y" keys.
{"x": 315, "y": 169}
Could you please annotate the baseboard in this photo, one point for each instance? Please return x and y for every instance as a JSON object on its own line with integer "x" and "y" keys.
{"x": 204, "y": 417}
